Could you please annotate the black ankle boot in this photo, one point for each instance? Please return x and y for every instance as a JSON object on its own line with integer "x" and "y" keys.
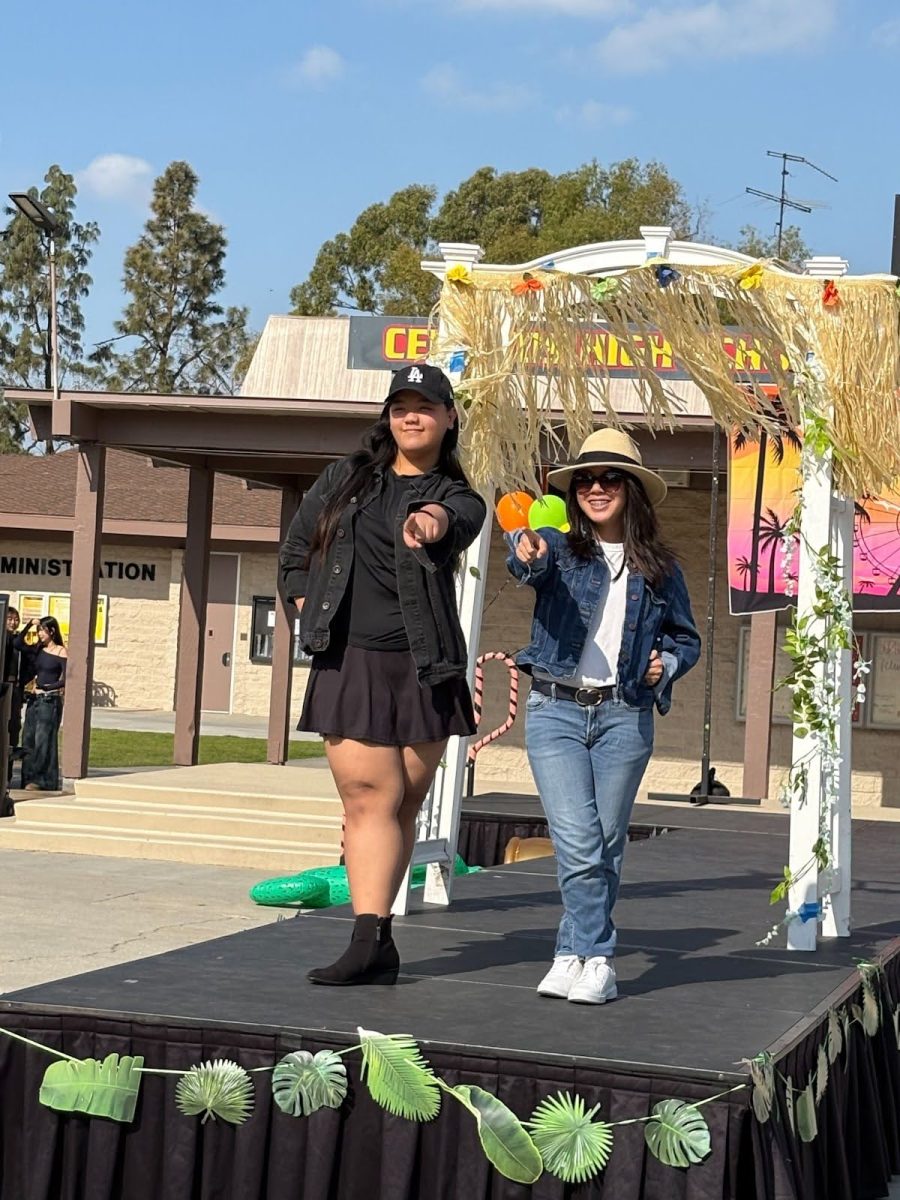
{"x": 371, "y": 956}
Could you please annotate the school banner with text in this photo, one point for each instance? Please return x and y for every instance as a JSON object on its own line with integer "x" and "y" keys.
{"x": 763, "y": 482}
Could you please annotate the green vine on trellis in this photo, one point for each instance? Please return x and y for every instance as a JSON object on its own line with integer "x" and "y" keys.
{"x": 814, "y": 643}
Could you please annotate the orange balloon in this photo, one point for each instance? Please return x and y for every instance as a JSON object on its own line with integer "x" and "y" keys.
{"x": 512, "y": 510}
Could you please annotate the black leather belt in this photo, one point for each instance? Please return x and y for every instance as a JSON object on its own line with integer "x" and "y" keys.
{"x": 585, "y": 696}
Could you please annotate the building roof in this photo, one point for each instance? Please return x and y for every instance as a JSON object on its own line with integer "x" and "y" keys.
{"x": 135, "y": 491}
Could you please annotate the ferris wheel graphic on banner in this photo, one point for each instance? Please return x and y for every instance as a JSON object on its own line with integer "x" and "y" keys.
{"x": 876, "y": 538}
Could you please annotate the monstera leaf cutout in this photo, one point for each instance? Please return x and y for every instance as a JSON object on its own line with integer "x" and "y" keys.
{"x": 573, "y": 1146}
{"x": 503, "y": 1137}
{"x": 107, "y": 1089}
{"x": 302, "y": 1083}
{"x": 217, "y": 1089}
{"x": 677, "y": 1134}
{"x": 398, "y": 1077}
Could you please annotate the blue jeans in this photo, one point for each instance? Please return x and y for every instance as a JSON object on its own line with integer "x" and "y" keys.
{"x": 588, "y": 764}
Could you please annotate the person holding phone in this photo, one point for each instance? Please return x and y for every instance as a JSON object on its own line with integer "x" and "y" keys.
{"x": 612, "y": 631}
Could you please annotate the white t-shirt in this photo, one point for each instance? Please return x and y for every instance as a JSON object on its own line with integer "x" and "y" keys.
{"x": 599, "y": 662}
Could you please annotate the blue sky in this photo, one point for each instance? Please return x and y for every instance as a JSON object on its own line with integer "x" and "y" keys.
{"x": 297, "y": 115}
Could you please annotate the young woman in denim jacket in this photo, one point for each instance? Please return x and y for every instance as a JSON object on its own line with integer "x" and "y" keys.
{"x": 612, "y": 631}
{"x": 370, "y": 561}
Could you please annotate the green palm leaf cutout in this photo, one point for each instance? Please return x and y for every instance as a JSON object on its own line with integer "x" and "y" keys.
{"x": 677, "y": 1134}
{"x": 303, "y": 1083}
{"x": 835, "y": 1040}
{"x": 821, "y": 1074}
{"x": 107, "y": 1089}
{"x": 763, "y": 1075}
{"x": 398, "y": 1077}
{"x": 805, "y": 1110}
{"x": 573, "y": 1146}
{"x": 503, "y": 1137}
{"x": 216, "y": 1089}
{"x": 897, "y": 1024}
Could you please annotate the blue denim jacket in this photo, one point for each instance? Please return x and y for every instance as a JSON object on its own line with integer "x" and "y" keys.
{"x": 567, "y": 589}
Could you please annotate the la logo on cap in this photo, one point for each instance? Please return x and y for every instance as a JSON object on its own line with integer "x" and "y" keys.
{"x": 415, "y": 375}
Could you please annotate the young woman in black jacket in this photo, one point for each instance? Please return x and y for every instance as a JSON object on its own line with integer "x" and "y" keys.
{"x": 370, "y": 560}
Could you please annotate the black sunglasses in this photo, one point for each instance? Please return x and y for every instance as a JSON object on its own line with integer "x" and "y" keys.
{"x": 608, "y": 480}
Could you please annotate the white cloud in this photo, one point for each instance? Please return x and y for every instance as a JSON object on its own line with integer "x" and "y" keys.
{"x": 121, "y": 177}
{"x": 595, "y": 114}
{"x": 319, "y": 66}
{"x": 887, "y": 35}
{"x": 447, "y": 84}
{"x": 567, "y": 8}
{"x": 684, "y": 36}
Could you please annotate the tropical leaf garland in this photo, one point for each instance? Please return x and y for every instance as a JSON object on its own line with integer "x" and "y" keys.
{"x": 573, "y": 1146}
{"x": 762, "y": 1073}
{"x": 216, "y": 1089}
{"x": 108, "y": 1089}
{"x": 398, "y": 1077}
{"x": 871, "y": 1008}
{"x": 789, "y": 1102}
{"x": 503, "y": 1137}
{"x": 303, "y": 1083}
{"x": 677, "y": 1134}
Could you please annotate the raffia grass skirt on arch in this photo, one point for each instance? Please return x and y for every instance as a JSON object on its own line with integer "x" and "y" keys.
{"x": 375, "y": 696}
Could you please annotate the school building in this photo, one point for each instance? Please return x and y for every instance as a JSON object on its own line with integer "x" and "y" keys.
{"x": 161, "y": 525}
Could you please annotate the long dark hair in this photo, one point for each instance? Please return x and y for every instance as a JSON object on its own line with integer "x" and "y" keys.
{"x": 51, "y": 625}
{"x": 645, "y": 551}
{"x": 377, "y": 451}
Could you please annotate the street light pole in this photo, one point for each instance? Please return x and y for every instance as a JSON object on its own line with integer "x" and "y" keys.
{"x": 54, "y": 323}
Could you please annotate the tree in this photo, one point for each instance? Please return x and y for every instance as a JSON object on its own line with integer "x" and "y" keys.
{"x": 515, "y": 216}
{"x": 25, "y": 343}
{"x": 374, "y": 267}
{"x": 771, "y": 536}
{"x": 794, "y": 251}
{"x": 173, "y": 274}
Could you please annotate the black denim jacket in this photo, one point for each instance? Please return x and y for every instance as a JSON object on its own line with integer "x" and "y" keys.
{"x": 425, "y": 577}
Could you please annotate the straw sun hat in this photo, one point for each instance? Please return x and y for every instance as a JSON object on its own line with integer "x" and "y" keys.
{"x": 615, "y": 449}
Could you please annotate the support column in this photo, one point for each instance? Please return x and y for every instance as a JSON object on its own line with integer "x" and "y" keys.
{"x": 760, "y": 682}
{"x": 192, "y": 617}
{"x": 90, "y": 481}
{"x": 282, "y": 650}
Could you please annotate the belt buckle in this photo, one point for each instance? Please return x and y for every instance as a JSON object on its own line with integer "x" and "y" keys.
{"x": 581, "y": 696}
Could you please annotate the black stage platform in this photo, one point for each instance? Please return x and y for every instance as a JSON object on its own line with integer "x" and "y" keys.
{"x": 489, "y": 820}
{"x": 696, "y": 997}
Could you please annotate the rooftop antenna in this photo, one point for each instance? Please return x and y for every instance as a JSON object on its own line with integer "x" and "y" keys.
{"x": 784, "y": 201}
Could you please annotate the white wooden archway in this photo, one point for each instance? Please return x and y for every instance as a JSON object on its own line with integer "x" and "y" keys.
{"x": 828, "y": 521}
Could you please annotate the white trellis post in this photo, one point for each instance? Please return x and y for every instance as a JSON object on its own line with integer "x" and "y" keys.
{"x": 438, "y": 832}
{"x": 827, "y": 522}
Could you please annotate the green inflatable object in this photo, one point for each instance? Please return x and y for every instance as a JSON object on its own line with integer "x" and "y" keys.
{"x": 321, "y": 887}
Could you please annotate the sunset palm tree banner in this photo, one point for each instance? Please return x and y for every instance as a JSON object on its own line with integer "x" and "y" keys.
{"x": 763, "y": 482}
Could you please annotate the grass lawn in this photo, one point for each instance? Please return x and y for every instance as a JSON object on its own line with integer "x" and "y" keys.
{"x": 125, "y": 748}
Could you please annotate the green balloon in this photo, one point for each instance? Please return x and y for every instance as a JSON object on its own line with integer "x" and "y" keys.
{"x": 548, "y": 513}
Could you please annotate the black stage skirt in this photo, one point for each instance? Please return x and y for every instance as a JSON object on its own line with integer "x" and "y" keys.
{"x": 375, "y": 696}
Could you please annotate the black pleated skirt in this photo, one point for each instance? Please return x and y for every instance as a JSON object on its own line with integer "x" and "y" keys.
{"x": 375, "y": 696}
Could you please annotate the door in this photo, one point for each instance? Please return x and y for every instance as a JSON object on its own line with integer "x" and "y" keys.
{"x": 219, "y": 647}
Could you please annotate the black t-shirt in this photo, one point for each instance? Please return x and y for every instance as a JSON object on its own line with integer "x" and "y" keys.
{"x": 376, "y": 621}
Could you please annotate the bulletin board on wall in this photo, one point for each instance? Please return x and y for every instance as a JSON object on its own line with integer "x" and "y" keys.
{"x": 781, "y": 698}
{"x": 34, "y": 605}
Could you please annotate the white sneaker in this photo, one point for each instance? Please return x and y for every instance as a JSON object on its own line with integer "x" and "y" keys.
{"x": 561, "y": 977}
{"x": 596, "y": 984}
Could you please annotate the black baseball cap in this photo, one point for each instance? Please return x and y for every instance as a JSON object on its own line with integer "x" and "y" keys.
{"x": 430, "y": 382}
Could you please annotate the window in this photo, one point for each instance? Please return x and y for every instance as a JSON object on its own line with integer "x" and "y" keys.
{"x": 262, "y": 633}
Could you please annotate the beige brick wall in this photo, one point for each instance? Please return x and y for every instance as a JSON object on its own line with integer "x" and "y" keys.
{"x": 251, "y": 683}
{"x": 136, "y": 668}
